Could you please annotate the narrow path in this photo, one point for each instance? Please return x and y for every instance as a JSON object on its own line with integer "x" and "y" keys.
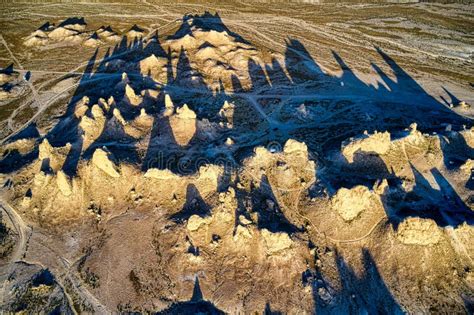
{"x": 24, "y": 232}
{"x": 35, "y": 93}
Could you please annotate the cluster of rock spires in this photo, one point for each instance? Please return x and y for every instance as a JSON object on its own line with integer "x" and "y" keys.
{"x": 73, "y": 31}
{"x": 269, "y": 229}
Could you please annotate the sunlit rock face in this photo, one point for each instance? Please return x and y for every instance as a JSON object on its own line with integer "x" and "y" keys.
{"x": 182, "y": 167}
{"x": 183, "y": 125}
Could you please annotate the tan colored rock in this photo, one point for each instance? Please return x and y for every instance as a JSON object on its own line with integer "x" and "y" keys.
{"x": 169, "y": 106}
{"x": 275, "y": 242}
{"x": 244, "y": 221}
{"x": 102, "y": 160}
{"x": 165, "y": 174}
{"x": 350, "y": 203}
{"x": 64, "y": 183}
{"x": 184, "y": 112}
{"x": 153, "y": 66}
{"x": 135, "y": 32}
{"x": 150, "y": 93}
{"x": 210, "y": 173}
{"x": 41, "y": 179}
{"x": 97, "y": 112}
{"x": 111, "y": 101}
{"x": 242, "y": 233}
{"x": 33, "y": 41}
{"x": 104, "y": 104}
{"x": 468, "y": 136}
{"x": 81, "y": 107}
{"x": 45, "y": 150}
{"x": 418, "y": 231}
{"x": 183, "y": 125}
{"x": 132, "y": 98}
{"x": 118, "y": 115}
{"x": 23, "y": 146}
{"x": 92, "y": 128}
{"x": 468, "y": 166}
{"x": 144, "y": 120}
{"x": 415, "y": 137}
{"x": 293, "y": 147}
{"x": 195, "y": 222}
{"x": 56, "y": 156}
{"x": 227, "y": 112}
{"x": 62, "y": 33}
{"x": 381, "y": 187}
{"x": 92, "y": 42}
{"x": 378, "y": 143}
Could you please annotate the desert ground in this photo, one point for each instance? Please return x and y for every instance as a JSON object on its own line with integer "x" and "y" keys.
{"x": 236, "y": 157}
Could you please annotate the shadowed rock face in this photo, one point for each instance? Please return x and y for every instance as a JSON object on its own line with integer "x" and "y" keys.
{"x": 197, "y": 155}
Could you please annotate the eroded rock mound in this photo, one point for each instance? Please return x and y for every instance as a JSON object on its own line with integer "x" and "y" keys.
{"x": 377, "y": 143}
{"x": 418, "y": 231}
{"x": 349, "y": 203}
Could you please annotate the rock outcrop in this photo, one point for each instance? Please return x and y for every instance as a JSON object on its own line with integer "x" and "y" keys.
{"x": 418, "y": 231}
{"x": 183, "y": 125}
{"x": 102, "y": 160}
{"x": 130, "y": 96}
{"x": 377, "y": 143}
{"x": 64, "y": 183}
{"x": 350, "y": 203}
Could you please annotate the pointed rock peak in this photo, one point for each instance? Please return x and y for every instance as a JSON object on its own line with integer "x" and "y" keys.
{"x": 130, "y": 95}
{"x": 229, "y": 142}
{"x": 185, "y": 112}
{"x": 227, "y": 105}
{"x": 102, "y": 159}
{"x": 84, "y": 101}
{"x": 118, "y": 115}
{"x": 151, "y": 58}
{"x": 129, "y": 91}
{"x": 136, "y": 28}
{"x": 97, "y": 111}
{"x": 64, "y": 183}
{"x": 103, "y": 104}
{"x": 168, "y": 102}
{"x": 125, "y": 77}
{"x": 111, "y": 101}
{"x": 45, "y": 149}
